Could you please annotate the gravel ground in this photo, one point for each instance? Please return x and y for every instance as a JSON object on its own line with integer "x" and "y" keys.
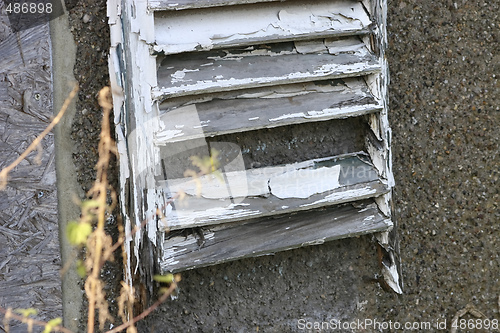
{"x": 444, "y": 99}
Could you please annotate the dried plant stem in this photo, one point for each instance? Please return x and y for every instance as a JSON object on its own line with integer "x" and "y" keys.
{"x": 34, "y": 321}
{"x": 99, "y": 193}
{"x": 146, "y": 312}
{"x": 101, "y": 247}
{"x": 36, "y": 143}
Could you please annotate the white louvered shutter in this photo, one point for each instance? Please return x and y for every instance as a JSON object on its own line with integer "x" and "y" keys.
{"x": 187, "y": 72}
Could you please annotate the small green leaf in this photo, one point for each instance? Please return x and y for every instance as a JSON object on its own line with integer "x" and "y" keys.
{"x": 80, "y": 269}
{"x": 88, "y": 204}
{"x": 26, "y": 312}
{"x": 78, "y": 232}
{"x": 52, "y": 324}
{"x": 169, "y": 278}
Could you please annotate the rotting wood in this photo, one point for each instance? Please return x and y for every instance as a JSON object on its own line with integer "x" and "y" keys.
{"x": 378, "y": 142}
{"x": 266, "y": 194}
{"x": 269, "y": 235}
{"x": 207, "y": 72}
{"x": 268, "y": 107}
{"x": 205, "y": 29}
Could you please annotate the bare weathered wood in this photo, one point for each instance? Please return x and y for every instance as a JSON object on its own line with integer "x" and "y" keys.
{"x": 269, "y": 235}
{"x": 207, "y": 72}
{"x": 270, "y": 191}
{"x": 206, "y": 29}
{"x": 268, "y": 107}
{"x": 31, "y": 41}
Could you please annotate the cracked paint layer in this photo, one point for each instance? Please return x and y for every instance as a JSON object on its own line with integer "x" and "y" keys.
{"x": 226, "y": 243}
{"x": 268, "y": 107}
{"x": 205, "y": 29}
{"x": 242, "y": 194}
{"x": 240, "y": 69}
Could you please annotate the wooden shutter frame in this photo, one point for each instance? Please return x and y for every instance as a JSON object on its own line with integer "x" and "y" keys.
{"x": 135, "y": 86}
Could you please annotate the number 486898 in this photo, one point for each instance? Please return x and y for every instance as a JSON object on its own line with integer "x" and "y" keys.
{"x": 29, "y": 8}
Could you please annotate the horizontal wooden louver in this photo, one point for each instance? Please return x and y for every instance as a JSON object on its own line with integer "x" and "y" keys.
{"x": 205, "y": 29}
{"x": 228, "y": 67}
{"x": 269, "y": 235}
{"x": 256, "y": 108}
{"x": 273, "y": 190}
{"x": 172, "y": 5}
{"x": 204, "y": 72}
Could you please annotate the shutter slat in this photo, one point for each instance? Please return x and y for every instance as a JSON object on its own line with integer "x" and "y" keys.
{"x": 272, "y": 190}
{"x": 267, "y": 107}
{"x": 192, "y": 4}
{"x": 208, "y": 72}
{"x": 205, "y": 29}
{"x": 269, "y": 235}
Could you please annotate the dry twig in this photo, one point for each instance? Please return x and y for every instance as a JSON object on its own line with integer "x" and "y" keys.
{"x": 36, "y": 143}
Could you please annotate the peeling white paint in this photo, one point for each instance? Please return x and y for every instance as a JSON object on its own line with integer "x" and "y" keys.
{"x": 348, "y": 45}
{"x": 344, "y": 196}
{"x": 182, "y": 118}
{"x": 314, "y": 242}
{"x": 219, "y": 202}
{"x": 309, "y": 46}
{"x": 330, "y": 71}
{"x": 305, "y": 183}
{"x": 178, "y": 76}
{"x": 168, "y": 135}
{"x": 193, "y": 217}
{"x": 391, "y": 276}
{"x": 351, "y": 58}
{"x": 225, "y": 26}
{"x": 288, "y": 116}
{"x": 368, "y": 218}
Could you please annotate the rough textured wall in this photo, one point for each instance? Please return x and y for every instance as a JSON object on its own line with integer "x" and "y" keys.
{"x": 445, "y": 116}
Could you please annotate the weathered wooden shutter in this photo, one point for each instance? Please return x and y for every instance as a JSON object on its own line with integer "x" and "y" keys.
{"x": 184, "y": 71}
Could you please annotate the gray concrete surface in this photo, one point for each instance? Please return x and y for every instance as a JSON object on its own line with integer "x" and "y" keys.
{"x": 63, "y": 62}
